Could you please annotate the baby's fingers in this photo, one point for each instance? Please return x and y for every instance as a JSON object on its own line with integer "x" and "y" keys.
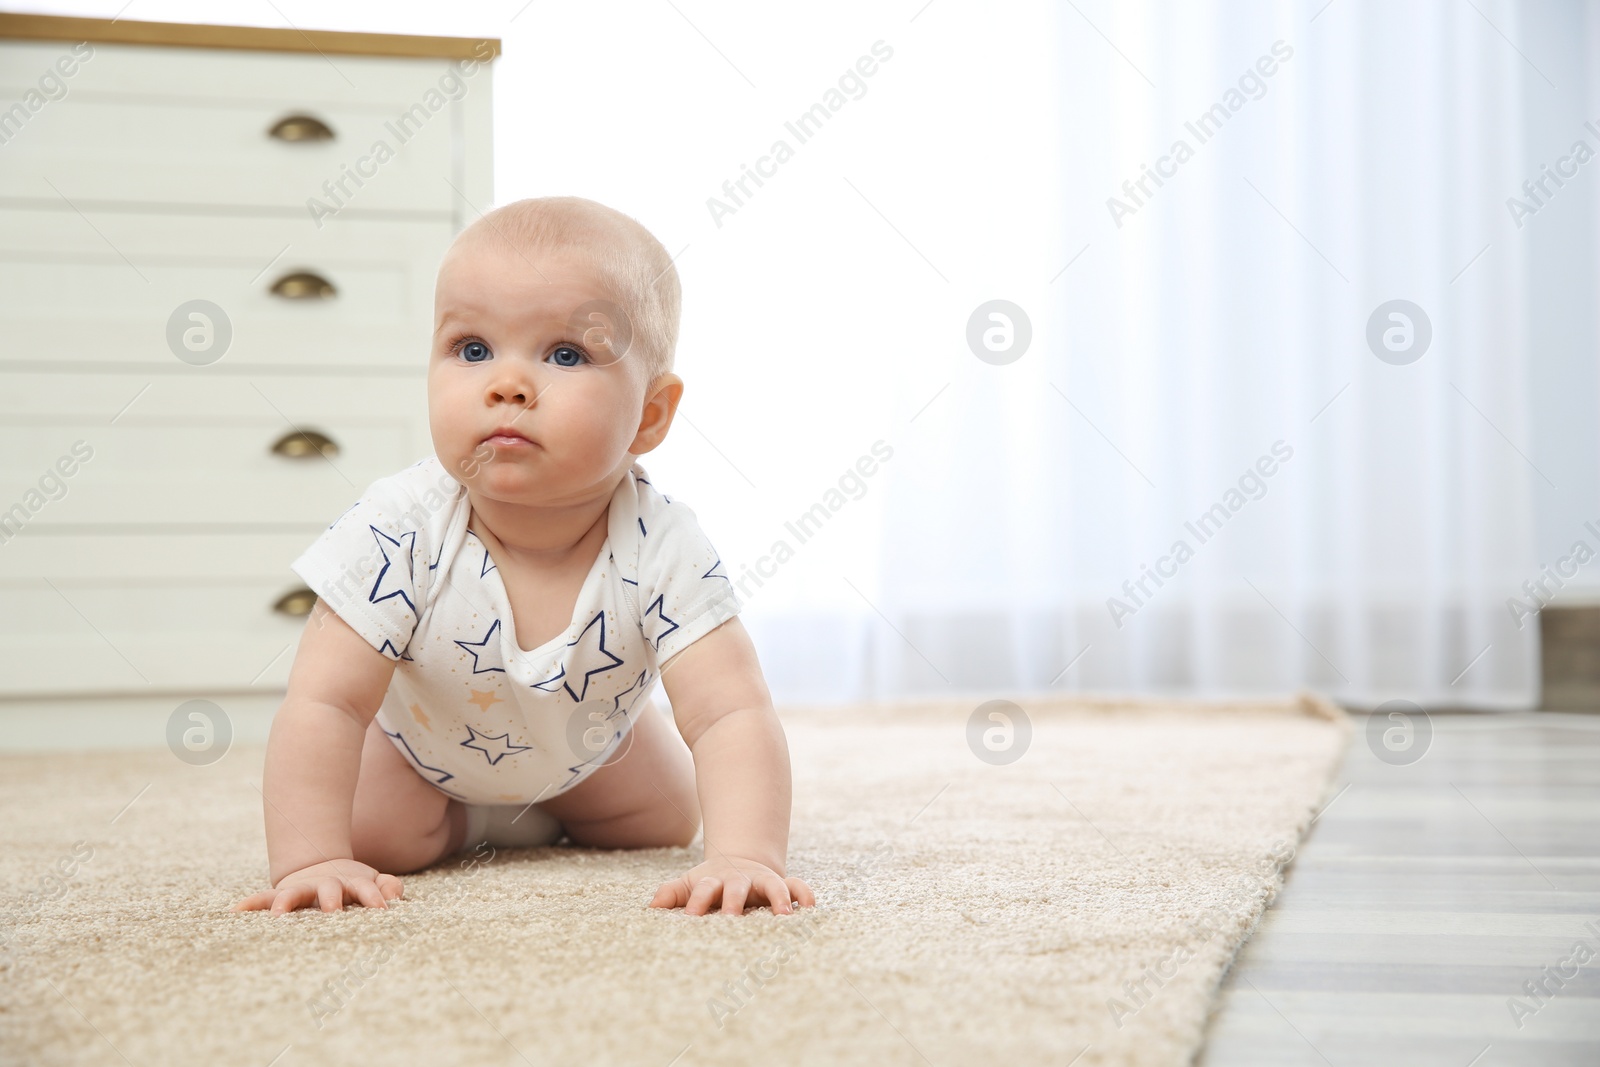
{"x": 802, "y": 892}
{"x": 257, "y": 901}
{"x": 734, "y": 892}
{"x": 673, "y": 894}
{"x": 295, "y": 896}
{"x": 777, "y": 893}
{"x": 330, "y": 894}
{"x": 390, "y": 886}
{"x": 366, "y": 893}
{"x": 705, "y": 894}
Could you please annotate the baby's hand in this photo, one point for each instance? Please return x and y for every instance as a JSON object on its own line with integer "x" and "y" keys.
{"x": 734, "y": 881}
{"x": 330, "y": 884}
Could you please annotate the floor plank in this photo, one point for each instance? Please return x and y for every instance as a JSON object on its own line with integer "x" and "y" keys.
{"x": 1426, "y": 901}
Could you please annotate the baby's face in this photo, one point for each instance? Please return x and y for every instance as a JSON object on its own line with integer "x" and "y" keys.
{"x": 509, "y": 355}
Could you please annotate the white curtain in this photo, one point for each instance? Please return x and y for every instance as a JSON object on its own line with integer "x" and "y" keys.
{"x": 1223, "y": 324}
{"x": 1168, "y": 356}
{"x": 828, "y": 316}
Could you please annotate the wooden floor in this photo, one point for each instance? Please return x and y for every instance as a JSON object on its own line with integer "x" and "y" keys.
{"x": 1424, "y": 899}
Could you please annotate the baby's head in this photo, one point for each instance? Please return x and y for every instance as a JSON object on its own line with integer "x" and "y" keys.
{"x": 556, "y": 319}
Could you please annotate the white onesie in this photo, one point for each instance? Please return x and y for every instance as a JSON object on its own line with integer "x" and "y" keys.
{"x": 477, "y": 716}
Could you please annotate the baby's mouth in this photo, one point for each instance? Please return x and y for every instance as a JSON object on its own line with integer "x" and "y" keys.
{"x": 508, "y": 437}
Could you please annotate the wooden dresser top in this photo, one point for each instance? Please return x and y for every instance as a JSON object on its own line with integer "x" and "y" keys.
{"x": 256, "y": 38}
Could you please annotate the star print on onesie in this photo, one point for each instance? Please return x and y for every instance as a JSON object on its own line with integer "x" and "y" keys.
{"x": 467, "y": 705}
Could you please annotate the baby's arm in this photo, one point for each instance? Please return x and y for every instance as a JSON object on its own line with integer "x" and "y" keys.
{"x": 309, "y": 782}
{"x": 741, "y": 761}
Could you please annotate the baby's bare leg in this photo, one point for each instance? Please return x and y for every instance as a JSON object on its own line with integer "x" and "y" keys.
{"x": 400, "y": 823}
{"x": 643, "y": 798}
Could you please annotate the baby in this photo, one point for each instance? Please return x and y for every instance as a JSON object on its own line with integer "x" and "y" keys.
{"x": 491, "y": 620}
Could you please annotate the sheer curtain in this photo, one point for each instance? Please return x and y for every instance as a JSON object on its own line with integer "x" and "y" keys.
{"x": 907, "y": 518}
{"x": 1198, "y": 352}
{"x": 1201, "y": 476}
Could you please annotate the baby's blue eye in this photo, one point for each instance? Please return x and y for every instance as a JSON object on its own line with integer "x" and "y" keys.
{"x": 566, "y": 356}
{"x": 474, "y": 351}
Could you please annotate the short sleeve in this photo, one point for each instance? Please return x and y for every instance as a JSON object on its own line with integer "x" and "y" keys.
{"x": 684, "y": 588}
{"x": 371, "y": 566}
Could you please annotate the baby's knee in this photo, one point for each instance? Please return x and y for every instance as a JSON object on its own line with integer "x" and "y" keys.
{"x": 395, "y": 848}
{"x": 671, "y": 822}
{"x": 678, "y": 828}
{"x": 673, "y": 832}
{"x": 680, "y": 817}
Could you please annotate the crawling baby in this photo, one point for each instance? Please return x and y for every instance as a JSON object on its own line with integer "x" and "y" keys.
{"x": 491, "y": 620}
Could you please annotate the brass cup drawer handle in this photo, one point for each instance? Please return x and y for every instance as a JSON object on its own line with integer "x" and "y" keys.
{"x": 296, "y": 603}
{"x": 305, "y": 444}
{"x": 298, "y": 128}
{"x": 304, "y": 285}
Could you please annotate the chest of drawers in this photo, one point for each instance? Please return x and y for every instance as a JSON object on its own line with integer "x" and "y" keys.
{"x": 217, "y": 255}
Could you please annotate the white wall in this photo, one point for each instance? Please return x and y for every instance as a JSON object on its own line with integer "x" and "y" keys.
{"x": 949, "y": 166}
{"x": 1564, "y": 280}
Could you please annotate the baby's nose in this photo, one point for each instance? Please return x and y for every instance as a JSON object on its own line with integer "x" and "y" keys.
{"x": 509, "y": 393}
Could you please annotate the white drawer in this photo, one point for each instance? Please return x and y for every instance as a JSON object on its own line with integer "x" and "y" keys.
{"x": 180, "y": 633}
{"x": 196, "y": 555}
{"x": 47, "y": 396}
{"x": 189, "y": 610}
{"x": 193, "y": 451}
{"x": 183, "y": 126}
{"x": 150, "y": 182}
{"x": 197, "y": 470}
{"x": 104, "y": 288}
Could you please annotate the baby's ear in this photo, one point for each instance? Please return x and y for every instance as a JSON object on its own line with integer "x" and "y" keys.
{"x": 660, "y": 405}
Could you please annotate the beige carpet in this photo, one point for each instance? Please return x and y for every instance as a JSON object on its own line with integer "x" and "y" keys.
{"x": 969, "y": 913}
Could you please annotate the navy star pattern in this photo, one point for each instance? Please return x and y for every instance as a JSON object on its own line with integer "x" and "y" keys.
{"x": 631, "y": 695}
{"x": 444, "y": 775}
{"x": 661, "y": 617}
{"x": 493, "y": 753}
{"x": 647, "y": 481}
{"x": 637, "y": 689}
{"x": 388, "y": 649}
{"x": 577, "y": 770}
{"x": 389, "y": 574}
{"x": 342, "y": 514}
{"x": 597, "y": 626}
{"x": 549, "y": 684}
{"x": 612, "y": 557}
{"x": 593, "y": 655}
{"x": 484, "y": 652}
